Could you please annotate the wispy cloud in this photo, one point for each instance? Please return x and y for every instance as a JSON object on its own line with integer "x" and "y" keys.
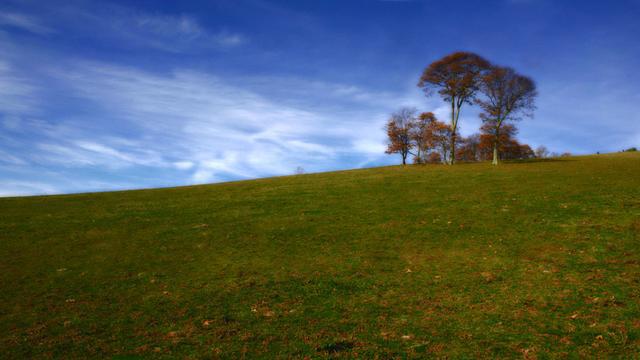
{"x": 24, "y": 22}
{"x": 219, "y": 130}
{"x": 194, "y": 125}
{"x": 18, "y": 95}
{"x": 92, "y": 151}
{"x": 20, "y": 188}
{"x": 173, "y": 33}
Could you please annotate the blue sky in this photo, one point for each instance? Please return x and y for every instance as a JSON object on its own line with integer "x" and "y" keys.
{"x": 98, "y": 95}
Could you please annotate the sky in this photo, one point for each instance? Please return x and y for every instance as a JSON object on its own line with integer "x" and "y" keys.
{"x": 109, "y": 95}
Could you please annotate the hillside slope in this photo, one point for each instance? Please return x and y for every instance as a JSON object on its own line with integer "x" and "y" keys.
{"x": 526, "y": 258}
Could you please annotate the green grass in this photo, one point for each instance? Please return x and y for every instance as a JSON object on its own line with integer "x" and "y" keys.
{"x": 537, "y": 259}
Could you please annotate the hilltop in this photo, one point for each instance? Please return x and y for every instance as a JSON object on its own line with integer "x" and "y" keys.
{"x": 527, "y": 258}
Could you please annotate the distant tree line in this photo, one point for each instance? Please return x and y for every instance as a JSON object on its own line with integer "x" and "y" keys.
{"x": 466, "y": 79}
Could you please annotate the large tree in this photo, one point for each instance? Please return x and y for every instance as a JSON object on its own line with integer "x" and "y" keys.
{"x": 399, "y": 132}
{"x": 508, "y": 96}
{"x": 456, "y": 78}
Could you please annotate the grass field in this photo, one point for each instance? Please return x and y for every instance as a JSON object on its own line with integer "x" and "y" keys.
{"x": 537, "y": 259}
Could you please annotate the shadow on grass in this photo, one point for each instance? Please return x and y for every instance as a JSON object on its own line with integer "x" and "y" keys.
{"x": 336, "y": 347}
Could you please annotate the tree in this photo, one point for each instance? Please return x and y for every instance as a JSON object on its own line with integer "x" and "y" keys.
{"x": 507, "y": 97}
{"x": 469, "y": 149}
{"x": 456, "y": 78}
{"x": 430, "y": 135}
{"x": 488, "y": 134}
{"x": 420, "y": 136}
{"x": 542, "y": 152}
{"x": 399, "y": 129}
{"x": 440, "y": 136}
{"x": 509, "y": 147}
{"x": 526, "y": 152}
{"x": 513, "y": 150}
{"x": 434, "y": 158}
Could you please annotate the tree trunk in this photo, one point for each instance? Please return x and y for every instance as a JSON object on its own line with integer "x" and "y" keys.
{"x": 452, "y": 145}
{"x": 443, "y": 150}
{"x": 495, "y": 153}
{"x": 452, "y": 155}
{"x": 496, "y": 144}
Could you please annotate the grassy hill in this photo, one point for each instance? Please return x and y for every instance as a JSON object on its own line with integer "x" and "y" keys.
{"x": 526, "y": 259}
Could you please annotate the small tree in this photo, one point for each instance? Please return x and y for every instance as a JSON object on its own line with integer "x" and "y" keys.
{"x": 488, "y": 134}
{"x": 526, "y": 152}
{"x": 469, "y": 149}
{"x": 507, "y": 96}
{"x": 399, "y": 132}
{"x": 509, "y": 147}
{"x": 456, "y": 78}
{"x": 542, "y": 152}
{"x": 430, "y": 135}
{"x": 434, "y": 158}
{"x": 420, "y": 137}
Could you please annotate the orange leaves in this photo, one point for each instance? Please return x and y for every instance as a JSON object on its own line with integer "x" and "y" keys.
{"x": 399, "y": 128}
{"x": 455, "y": 76}
{"x": 460, "y": 78}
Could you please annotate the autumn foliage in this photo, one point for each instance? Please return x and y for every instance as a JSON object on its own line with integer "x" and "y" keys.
{"x": 465, "y": 78}
{"x": 507, "y": 96}
{"x": 399, "y": 128}
{"x": 457, "y": 79}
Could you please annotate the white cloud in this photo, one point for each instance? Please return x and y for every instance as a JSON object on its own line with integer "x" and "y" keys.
{"x": 183, "y": 165}
{"x": 203, "y": 176}
{"x": 370, "y": 146}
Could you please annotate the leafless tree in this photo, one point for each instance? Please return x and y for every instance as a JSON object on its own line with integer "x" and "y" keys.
{"x": 542, "y": 152}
